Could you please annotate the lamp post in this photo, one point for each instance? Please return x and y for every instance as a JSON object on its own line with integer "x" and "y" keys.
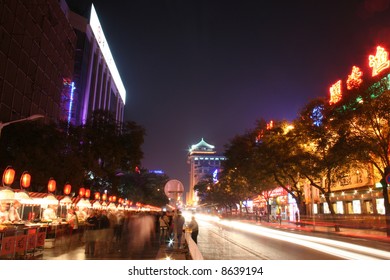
{"x": 30, "y": 118}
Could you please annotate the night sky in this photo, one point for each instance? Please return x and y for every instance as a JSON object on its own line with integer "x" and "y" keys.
{"x": 210, "y": 68}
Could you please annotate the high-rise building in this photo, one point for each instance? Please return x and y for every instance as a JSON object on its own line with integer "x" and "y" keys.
{"x": 37, "y": 46}
{"x": 55, "y": 62}
{"x": 96, "y": 83}
{"x": 204, "y": 161}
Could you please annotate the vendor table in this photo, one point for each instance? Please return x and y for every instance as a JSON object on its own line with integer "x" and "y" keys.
{"x": 19, "y": 241}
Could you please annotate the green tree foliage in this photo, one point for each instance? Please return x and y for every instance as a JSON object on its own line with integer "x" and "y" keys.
{"x": 90, "y": 156}
{"x": 107, "y": 148}
{"x": 144, "y": 187}
{"x": 325, "y": 157}
{"x": 278, "y": 160}
{"x": 366, "y": 115}
{"x": 41, "y": 150}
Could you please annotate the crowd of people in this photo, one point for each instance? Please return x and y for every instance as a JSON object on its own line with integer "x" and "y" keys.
{"x": 106, "y": 231}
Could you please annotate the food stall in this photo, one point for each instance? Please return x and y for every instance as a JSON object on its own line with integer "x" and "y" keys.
{"x": 19, "y": 239}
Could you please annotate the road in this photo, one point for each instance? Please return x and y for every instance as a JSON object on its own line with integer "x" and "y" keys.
{"x": 233, "y": 240}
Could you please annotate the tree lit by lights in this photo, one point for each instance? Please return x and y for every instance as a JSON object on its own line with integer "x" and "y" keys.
{"x": 317, "y": 115}
{"x": 270, "y": 125}
{"x": 335, "y": 92}
{"x": 380, "y": 61}
{"x": 355, "y": 78}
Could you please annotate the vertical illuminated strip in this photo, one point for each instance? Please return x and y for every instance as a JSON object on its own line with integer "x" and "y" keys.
{"x": 71, "y": 101}
{"x": 105, "y": 49}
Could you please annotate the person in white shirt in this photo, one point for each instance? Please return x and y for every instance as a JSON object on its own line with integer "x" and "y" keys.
{"x": 49, "y": 214}
{"x": 4, "y": 213}
{"x": 14, "y": 212}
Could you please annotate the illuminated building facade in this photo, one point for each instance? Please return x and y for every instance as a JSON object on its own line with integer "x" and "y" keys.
{"x": 97, "y": 84}
{"x": 36, "y": 54}
{"x": 204, "y": 161}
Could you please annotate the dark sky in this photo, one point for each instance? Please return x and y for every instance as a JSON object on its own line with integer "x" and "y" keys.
{"x": 210, "y": 68}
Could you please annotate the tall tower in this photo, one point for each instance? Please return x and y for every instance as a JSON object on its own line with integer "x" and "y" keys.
{"x": 203, "y": 161}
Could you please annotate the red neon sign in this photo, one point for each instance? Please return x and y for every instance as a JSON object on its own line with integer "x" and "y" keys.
{"x": 380, "y": 61}
{"x": 355, "y": 78}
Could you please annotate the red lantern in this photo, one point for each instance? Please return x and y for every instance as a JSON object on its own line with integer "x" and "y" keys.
{"x": 104, "y": 197}
{"x": 97, "y": 195}
{"x": 25, "y": 180}
{"x": 67, "y": 188}
{"x": 87, "y": 193}
{"x": 8, "y": 176}
{"x": 51, "y": 186}
{"x": 113, "y": 198}
{"x": 110, "y": 198}
{"x": 81, "y": 192}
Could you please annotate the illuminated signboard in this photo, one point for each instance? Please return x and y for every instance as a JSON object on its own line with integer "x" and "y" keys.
{"x": 102, "y": 42}
{"x": 335, "y": 92}
{"x": 379, "y": 62}
{"x": 355, "y": 78}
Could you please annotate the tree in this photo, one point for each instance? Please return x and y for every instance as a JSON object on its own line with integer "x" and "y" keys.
{"x": 109, "y": 148}
{"x": 43, "y": 151}
{"x": 366, "y": 114}
{"x": 325, "y": 155}
{"x": 144, "y": 187}
{"x": 277, "y": 158}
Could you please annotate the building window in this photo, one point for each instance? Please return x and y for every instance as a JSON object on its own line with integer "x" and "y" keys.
{"x": 339, "y": 207}
{"x": 326, "y": 208}
{"x": 357, "y": 209}
{"x": 380, "y": 206}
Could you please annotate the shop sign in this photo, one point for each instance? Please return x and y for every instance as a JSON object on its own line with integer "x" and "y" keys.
{"x": 278, "y": 192}
{"x": 41, "y": 239}
{"x": 21, "y": 241}
{"x": 31, "y": 241}
{"x": 8, "y": 245}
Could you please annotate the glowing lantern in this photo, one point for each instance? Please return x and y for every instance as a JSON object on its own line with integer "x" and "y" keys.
{"x": 8, "y": 176}
{"x": 25, "y": 179}
{"x": 97, "y": 195}
{"x": 51, "y": 186}
{"x": 104, "y": 196}
{"x": 110, "y": 198}
{"x": 113, "y": 198}
{"x": 67, "y": 188}
{"x": 81, "y": 192}
{"x": 87, "y": 193}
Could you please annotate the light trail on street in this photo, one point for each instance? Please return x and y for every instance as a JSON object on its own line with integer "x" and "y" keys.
{"x": 254, "y": 241}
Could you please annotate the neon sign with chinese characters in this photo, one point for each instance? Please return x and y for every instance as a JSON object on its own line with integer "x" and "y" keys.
{"x": 355, "y": 78}
{"x": 379, "y": 61}
{"x": 335, "y": 92}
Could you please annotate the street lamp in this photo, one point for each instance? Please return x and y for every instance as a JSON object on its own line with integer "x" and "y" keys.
{"x": 30, "y": 118}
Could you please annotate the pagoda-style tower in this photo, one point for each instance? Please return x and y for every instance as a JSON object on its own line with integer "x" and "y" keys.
{"x": 203, "y": 161}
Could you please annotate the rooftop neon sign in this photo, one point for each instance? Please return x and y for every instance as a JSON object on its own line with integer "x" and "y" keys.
{"x": 355, "y": 78}
{"x": 335, "y": 92}
{"x": 379, "y": 61}
{"x": 102, "y": 42}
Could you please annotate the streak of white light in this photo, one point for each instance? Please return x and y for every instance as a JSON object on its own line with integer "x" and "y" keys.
{"x": 316, "y": 243}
